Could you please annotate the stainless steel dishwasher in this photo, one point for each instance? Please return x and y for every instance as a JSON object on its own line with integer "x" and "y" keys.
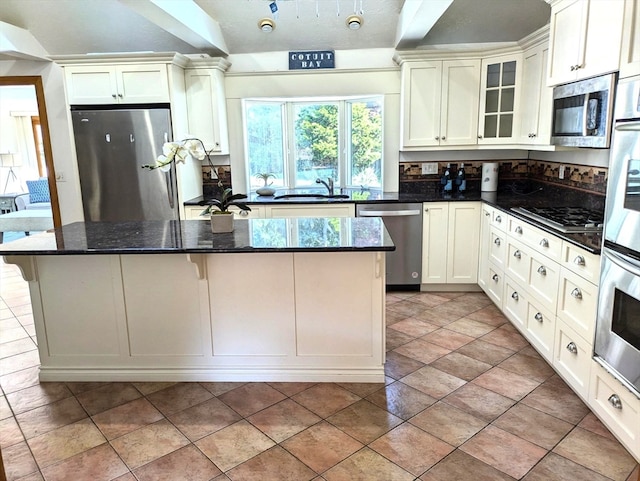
{"x": 404, "y": 223}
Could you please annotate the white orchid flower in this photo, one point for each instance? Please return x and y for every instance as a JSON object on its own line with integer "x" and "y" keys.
{"x": 195, "y": 149}
{"x": 178, "y": 152}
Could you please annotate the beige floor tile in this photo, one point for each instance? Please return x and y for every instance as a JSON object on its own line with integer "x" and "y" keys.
{"x": 148, "y": 443}
{"x": 205, "y": 418}
{"x": 526, "y": 366}
{"x": 507, "y": 383}
{"x": 414, "y": 327}
{"x": 251, "y": 398}
{"x": 178, "y": 397}
{"x": 64, "y": 442}
{"x": 591, "y": 423}
{"x": 127, "y": 417}
{"x": 398, "y": 366}
{"x": 486, "y": 352}
{"x": 97, "y": 464}
{"x": 52, "y": 416}
{"x": 80, "y": 387}
{"x": 461, "y": 366}
{"x": 407, "y": 308}
{"x": 291, "y": 388}
{"x": 5, "y": 409}
{"x": 556, "y": 398}
{"x": 18, "y": 461}
{"x": 470, "y": 327}
{"x": 10, "y": 433}
{"x": 362, "y": 389}
{"x": 283, "y": 420}
{"x": 490, "y": 315}
{"x": 448, "y": 423}
{"x": 321, "y": 446}
{"x": 147, "y": 388}
{"x": 401, "y": 400}
{"x": 36, "y": 396}
{"x": 108, "y": 396}
{"x": 505, "y": 338}
{"x": 18, "y": 346}
{"x": 429, "y": 299}
{"x": 19, "y": 362}
{"x": 459, "y": 466}
{"x": 600, "y": 454}
{"x": 422, "y": 351}
{"x": 20, "y": 380}
{"x": 234, "y": 445}
{"x": 395, "y": 339}
{"x": 448, "y": 339}
{"x": 325, "y": 399}
{"x": 367, "y": 465}
{"x": 276, "y": 464}
{"x": 364, "y": 421}
{"x": 535, "y": 426}
{"x": 184, "y": 464}
{"x": 504, "y": 451}
{"x": 557, "y": 468}
{"x": 217, "y": 388}
{"x": 480, "y": 402}
{"x": 411, "y": 448}
{"x": 433, "y": 382}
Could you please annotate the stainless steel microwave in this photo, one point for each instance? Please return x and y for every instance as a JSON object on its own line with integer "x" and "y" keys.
{"x": 583, "y": 112}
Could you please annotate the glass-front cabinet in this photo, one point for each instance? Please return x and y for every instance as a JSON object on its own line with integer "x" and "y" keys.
{"x": 499, "y": 99}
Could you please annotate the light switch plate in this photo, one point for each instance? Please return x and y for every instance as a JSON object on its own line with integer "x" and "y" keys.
{"x": 429, "y": 168}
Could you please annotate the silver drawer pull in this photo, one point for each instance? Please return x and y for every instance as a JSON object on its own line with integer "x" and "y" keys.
{"x": 572, "y": 348}
{"x": 538, "y": 317}
{"x": 544, "y": 243}
{"x": 542, "y": 271}
{"x": 243, "y": 213}
{"x": 515, "y": 296}
{"x": 499, "y": 219}
{"x": 576, "y": 293}
{"x": 614, "y": 400}
{"x": 487, "y": 214}
{"x": 495, "y": 277}
{"x": 517, "y": 254}
{"x": 518, "y": 230}
{"x": 497, "y": 241}
{"x": 579, "y": 261}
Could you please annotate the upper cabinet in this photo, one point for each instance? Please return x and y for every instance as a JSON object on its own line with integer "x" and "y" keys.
{"x": 499, "y": 98}
{"x": 117, "y": 84}
{"x": 585, "y": 39}
{"x": 440, "y": 103}
{"x": 630, "y": 55}
{"x": 206, "y": 104}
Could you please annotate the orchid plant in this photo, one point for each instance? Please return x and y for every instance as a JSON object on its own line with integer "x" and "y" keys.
{"x": 175, "y": 152}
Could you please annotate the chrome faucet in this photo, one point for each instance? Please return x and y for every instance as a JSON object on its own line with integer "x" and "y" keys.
{"x": 328, "y": 185}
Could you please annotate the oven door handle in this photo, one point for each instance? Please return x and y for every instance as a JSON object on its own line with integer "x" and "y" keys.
{"x": 629, "y": 126}
{"x": 624, "y": 262}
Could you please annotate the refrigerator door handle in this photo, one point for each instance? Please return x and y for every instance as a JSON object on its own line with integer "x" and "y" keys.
{"x": 131, "y": 138}
{"x": 170, "y": 194}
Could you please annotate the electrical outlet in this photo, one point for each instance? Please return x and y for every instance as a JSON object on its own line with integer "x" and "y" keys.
{"x": 60, "y": 176}
{"x": 561, "y": 172}
{"x": 429, "y": 168}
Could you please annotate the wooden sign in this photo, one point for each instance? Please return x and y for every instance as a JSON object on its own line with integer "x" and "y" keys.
{"x": 312, "y": 60}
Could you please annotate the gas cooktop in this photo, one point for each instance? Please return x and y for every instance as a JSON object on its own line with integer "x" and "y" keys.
{"x": 564, "y": 219}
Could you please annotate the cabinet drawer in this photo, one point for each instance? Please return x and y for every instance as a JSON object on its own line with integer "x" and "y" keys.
{"x": 497, "y": 247}
{"x": 499, "y": 220}
{"x": 517, "y": 263}
{"x": 193, "y": 212}
{"x": 541, "y": 329}
{"x": 539, "y": 240}
{"x": 583, "y": 263}
{"x": 572, "y": 358}
{"x": 516, "y": 302}
{"x": 577, "y": 303}
{"x": 543, "y": 281}
{"x": 616, "y": 406}
{"x": 495, "y": 285}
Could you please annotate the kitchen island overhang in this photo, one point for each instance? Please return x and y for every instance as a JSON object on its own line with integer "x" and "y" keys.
{"x": 276, "y": 300}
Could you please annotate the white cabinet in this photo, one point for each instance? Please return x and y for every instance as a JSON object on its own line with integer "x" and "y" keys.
{"x": 310, "y": 210}
{"x": 206, "y": 108}
{"x": 585, "y": 39}
{"x": 630, "y": 54}
{"x": 440, "y": 102}
{"x": 117, "y": 84}
{"x": 451, "y": 240}
{"x": 536, "y": 98}
{"x": 192, "y": 212}
{"x": 499, "y": 99}
{"x": 572, "y": 358}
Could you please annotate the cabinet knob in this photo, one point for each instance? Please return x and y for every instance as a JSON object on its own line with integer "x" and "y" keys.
{"x": 444, "y": 138}
{"x": 495, "y": 277}
{"x": 486, "y": 214}
{"x": 517, "y": 254}
{"x": 426, "y": 210}
{"x": 544, "y": 243}
{"x": 480, "y": 136}
{"x": 573, "y": 67}
{"x": 515, "y": 296}
{"x": 572, "y": 348}
{"x": 518, "y": 230}
{"x": 576, "y": 293}
{"x": 579, "y": 261}
{"x": 538, "y": 317}
{"x": 499, "y": 219}
{"x": 114, "y": 96}
{"x": 614, "y": 400}
{"x": 542, "y": 271}
{"x": 120, "y": 95}
{"x": 497, "y": 241}
{"x": 243, "y": 213}
{"x": 437, "y": 138}
{"x": 534, "y": 135}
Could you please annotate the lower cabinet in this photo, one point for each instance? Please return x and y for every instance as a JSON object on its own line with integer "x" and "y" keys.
{"x": 341, "y": 209}
{"x": 572, "y": 358}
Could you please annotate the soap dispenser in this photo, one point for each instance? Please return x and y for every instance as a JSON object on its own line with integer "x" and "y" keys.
{"x": 461, "y": 179}
{"x": 446, "y": 180}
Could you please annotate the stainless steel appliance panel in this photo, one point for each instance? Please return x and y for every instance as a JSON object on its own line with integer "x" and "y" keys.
{"x": 404, "y": 223}
{"x": 617, "y": 341}
{"x": 112, "y": 146}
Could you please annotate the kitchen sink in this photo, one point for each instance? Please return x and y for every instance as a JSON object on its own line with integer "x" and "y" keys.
{"x": 311, "y": 196}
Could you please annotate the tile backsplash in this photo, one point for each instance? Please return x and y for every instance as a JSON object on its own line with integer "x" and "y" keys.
{"x": 214, "y": 183}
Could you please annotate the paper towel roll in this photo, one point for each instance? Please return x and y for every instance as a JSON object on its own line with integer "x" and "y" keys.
{"x": 489, "y": 177}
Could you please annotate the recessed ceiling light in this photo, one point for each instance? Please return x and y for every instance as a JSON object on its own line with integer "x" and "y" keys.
{"x": 354, "y": 22}
{"x": 266, "y": 25}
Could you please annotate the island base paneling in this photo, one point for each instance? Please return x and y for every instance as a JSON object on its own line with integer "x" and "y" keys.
{"x": 292, "y": 316}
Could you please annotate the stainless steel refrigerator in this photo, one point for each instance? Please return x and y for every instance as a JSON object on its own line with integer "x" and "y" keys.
{"x": 111, "y": 146}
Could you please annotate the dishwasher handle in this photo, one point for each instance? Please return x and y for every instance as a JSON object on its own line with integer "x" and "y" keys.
{"x": 389, "y": 213}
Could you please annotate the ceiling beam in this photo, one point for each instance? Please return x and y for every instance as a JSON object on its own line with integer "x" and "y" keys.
{"x": 184, "y": 19}
{"x": 416, "y": 18}
{"x": 18, "y": 43}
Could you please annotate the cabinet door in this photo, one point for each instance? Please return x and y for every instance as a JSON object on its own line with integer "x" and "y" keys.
{"x": 256, "y": 212}
{"x": 630, "y": 55}
{"x": 310, "y": 210}
{"x": 206, "y": 108}
{"x": 484, "y": 250}
{"x": 192, "y": 212}
{"x": 566, "y": 39}
{"x": 499, "y": 99}
{"x": 459, "y": 110}
{"x": 145, "y": 83}
{"x": 603, "y": 38}
{"x": 91, "y": 85}
{"x": 421, "y": 97}
{"x": 463, "y": 240}
{"x": 536, "y": 98}
{"x": 434, "y": 242}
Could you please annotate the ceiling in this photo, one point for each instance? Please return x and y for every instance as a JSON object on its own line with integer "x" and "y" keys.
{"x": 227, "y": 27}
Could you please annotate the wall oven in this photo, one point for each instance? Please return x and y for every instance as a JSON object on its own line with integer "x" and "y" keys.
{"x": 617, "y": 343}
{"x": 583, "y": 111}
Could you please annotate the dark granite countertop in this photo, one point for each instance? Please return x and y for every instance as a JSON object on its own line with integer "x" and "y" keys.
{"x": 325, "y": 234}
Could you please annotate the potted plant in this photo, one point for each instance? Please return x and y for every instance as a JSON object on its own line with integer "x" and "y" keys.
{"x": 265, "y": 190}
{"x": 221, "y": 216}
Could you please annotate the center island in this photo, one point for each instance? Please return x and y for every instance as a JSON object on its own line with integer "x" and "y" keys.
{"x": 275, "y": 300}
